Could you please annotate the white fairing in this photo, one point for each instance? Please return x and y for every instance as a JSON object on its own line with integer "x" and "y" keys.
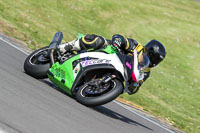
{"x": 105, "y": 58}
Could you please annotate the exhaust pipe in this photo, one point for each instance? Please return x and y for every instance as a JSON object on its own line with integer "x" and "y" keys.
{"x": 55, "y": 42}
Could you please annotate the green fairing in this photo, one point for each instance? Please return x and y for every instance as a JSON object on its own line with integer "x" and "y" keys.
{"x": 109, "y": 50}
{"x": 63, "y": 74}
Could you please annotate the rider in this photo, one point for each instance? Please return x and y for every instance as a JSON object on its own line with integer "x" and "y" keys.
{"x": 154, "y": 50}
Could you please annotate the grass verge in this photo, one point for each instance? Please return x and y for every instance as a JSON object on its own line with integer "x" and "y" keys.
{"x": 173, "y": 90}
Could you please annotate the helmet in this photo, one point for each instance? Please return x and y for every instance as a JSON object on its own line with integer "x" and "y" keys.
{"x": 155, "y": 51}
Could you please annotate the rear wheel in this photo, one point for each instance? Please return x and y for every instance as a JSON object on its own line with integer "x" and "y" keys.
{"x": 94, "y": 94}
{"x": 37, "y": 63}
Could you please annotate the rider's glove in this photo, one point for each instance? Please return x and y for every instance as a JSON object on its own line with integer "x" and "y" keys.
{"x": 118, "y": 41}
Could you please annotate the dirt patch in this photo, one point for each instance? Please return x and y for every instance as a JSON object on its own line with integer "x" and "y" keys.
{"x": 8, "y": 29}
{"x": 18, "y": 43}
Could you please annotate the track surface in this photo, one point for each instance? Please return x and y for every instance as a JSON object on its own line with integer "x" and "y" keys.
{"x": 28, "y": 105}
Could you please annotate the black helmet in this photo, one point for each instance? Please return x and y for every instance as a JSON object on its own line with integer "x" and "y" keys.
{"x": 155, "y": 51}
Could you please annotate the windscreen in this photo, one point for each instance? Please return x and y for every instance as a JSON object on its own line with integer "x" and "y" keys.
{"x": 143, "y": 61}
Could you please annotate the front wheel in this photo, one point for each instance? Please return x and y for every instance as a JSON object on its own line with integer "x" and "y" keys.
{"x": 91, "y": 95}
{"x": 37, "y": 63}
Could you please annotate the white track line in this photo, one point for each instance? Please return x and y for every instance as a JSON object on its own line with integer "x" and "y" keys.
{"x": 13, "y": 46}
{"x": 146, "y": 118}
{"x": 2, "y": 131}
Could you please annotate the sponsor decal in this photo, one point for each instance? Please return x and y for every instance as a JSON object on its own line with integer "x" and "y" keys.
{"x": 128, "y": 65}
{"x": 93, "y": 62}
{"x": 76, "y": 70}
{"x": 58, "y": 72}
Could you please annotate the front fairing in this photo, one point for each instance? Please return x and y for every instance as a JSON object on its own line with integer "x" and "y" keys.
{"x": 138, "y": 68}
{"x": 127, "y": 61}
{"x": 68, "y": 74}
{"x": 133, "y": 71}
{"x": 106, "y": 58}
{"x": 62, "y": 74}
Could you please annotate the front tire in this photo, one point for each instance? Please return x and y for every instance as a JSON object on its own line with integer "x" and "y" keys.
{"x": 37, "y": 63}
{"x": 92, "y": 101}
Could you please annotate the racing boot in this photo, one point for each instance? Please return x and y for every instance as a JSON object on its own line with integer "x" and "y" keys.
{"x": 70, "y": 46}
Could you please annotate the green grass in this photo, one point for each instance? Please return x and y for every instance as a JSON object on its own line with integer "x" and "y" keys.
{"x": 173, "y": 91}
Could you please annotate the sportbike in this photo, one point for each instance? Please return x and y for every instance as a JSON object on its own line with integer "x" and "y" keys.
{"x": 93, "y": 78}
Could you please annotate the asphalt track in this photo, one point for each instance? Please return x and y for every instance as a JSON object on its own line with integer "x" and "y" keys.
{"x": 28, "y": 105}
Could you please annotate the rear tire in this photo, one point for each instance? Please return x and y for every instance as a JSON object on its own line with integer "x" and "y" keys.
{"x": 102, "y": 99}
{"x": 35, "y": 68}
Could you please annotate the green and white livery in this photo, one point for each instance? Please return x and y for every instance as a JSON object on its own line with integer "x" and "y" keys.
{"x": 93, "y": 78}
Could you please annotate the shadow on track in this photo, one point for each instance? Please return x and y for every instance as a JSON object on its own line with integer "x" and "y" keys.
{"x": 115, "y": 115}
{"x": 101, "y": 109}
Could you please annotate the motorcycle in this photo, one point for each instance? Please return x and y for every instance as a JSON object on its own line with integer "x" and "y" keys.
{"x": 92, "y": 78}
